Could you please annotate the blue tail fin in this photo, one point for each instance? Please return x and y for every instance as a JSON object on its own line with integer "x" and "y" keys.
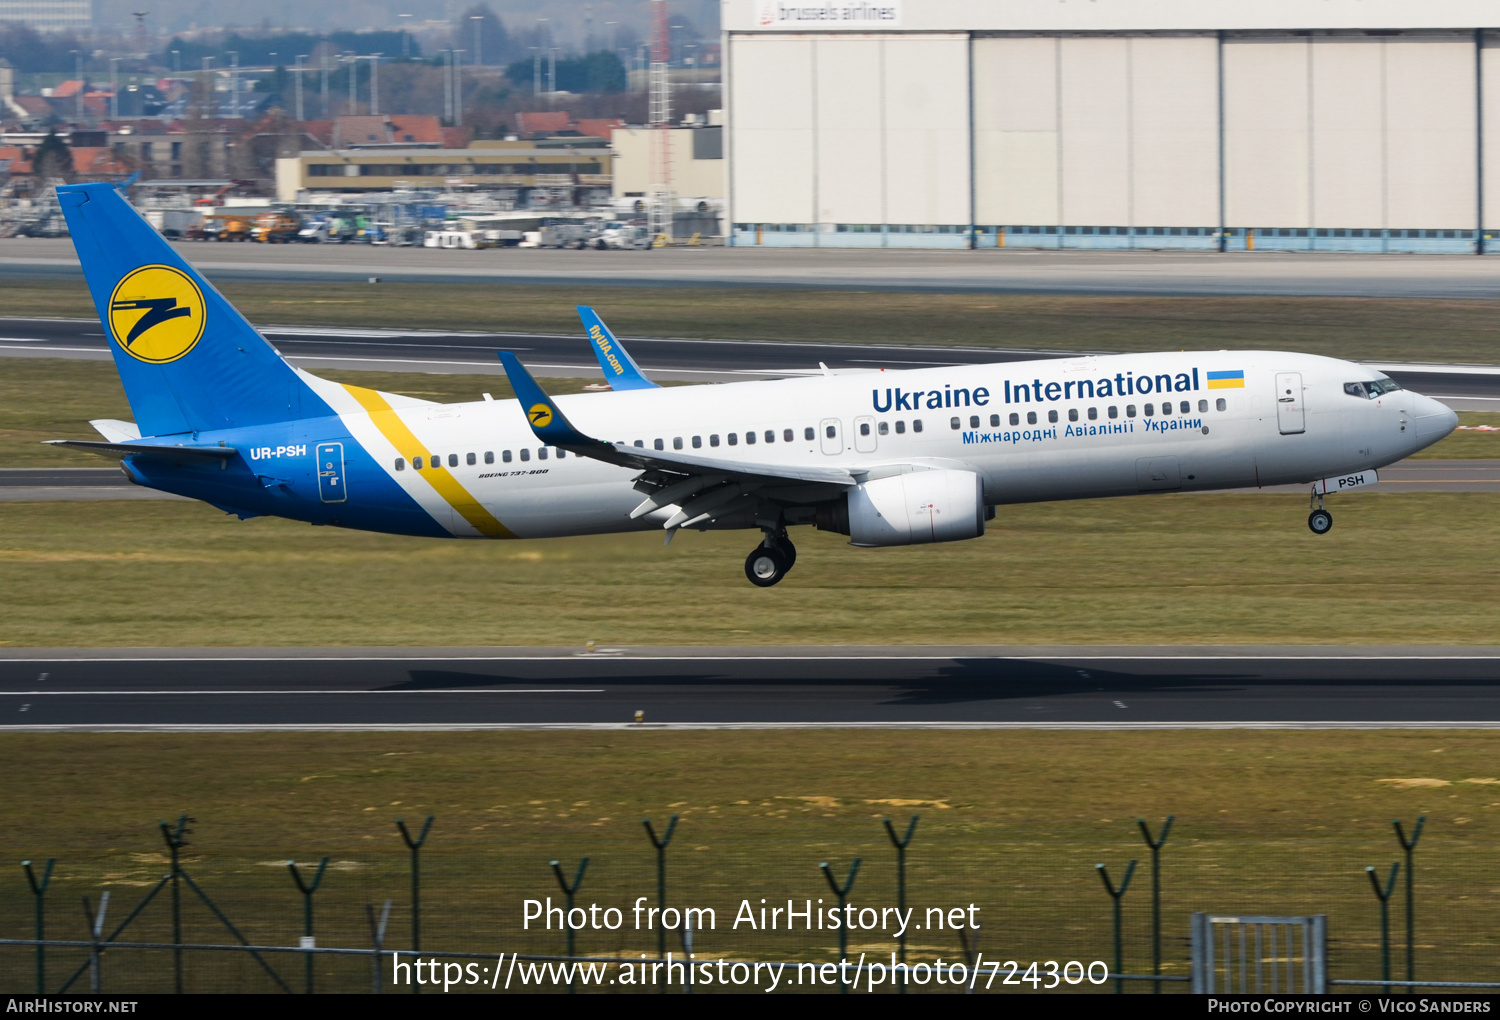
{"x": 188, "y": 360}
{"x": 620, "y": 369}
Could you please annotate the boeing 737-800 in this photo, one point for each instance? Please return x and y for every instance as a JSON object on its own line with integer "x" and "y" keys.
{"x": 887, "y": 458}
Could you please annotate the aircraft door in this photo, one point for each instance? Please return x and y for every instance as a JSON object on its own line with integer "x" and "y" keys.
{"x": 864, "y": 434}
{"x": 1290, "y": 414}
{"x": 331, "y": 480}
{"x": 831, "y": 433}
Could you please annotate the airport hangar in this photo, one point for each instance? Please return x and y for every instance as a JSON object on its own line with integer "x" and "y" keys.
{"x": 1336, "y": 125}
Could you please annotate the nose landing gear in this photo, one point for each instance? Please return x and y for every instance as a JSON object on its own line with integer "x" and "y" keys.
{"x": 1320, "y": 521}
{"x": 769, "y": 562}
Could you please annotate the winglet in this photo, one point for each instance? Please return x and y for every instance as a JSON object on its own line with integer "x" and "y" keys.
{"x": 620, "y": 368}
{"x": 542, "y": 413}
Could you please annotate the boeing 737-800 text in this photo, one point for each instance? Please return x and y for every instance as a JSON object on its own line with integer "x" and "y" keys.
{"x": 887, "y": 458}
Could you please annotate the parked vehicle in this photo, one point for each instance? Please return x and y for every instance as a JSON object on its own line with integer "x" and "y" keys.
{"x": 277, "y": 227}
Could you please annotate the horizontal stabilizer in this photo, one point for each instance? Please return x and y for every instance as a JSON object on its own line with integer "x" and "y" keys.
{"x": 147, "y": 449}
{"x": 620, "y": 369}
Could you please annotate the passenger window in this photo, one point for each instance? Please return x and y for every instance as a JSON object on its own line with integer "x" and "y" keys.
{"x": 1052, "y": 417}
{"x": 658, "y": 445}
{"x": 787, "y": 435}
{"x": 505, "y": 456}
{"x": 416, "y": 463}
{"x": 677, "y": 443}
{"x": 1072, "y": 414}
{"x": 734, "y": 439}
{"x": 884, "y": 428}
{"x": 808, "y": 434}
{"x": 435, "y": 461}
{"x": 469, "y": 459}
{"x": 1015, "y": 419}
{"x": 1030, "y": 417}
{"x": 525, "y": 455}
{"x": 453, "y": 460}
{"x": 994, "y": 421}
{"x": 864, "y": 427}
{"x": 832, "y": 431}
{"x": 400, "y": 463}
{"x": 1130, "y": 410}
{"x": 1166, "y": 407}
{"x": 561, "y": 454}
{"x": 1202, "y": 406}
{"x": 1149, "y": 410}
{"x": 954, "y": 423}
{"x": 489, "y": 456}
{"x": 1221, "y": 404}
{"x": 697, "y": 442}
{"x": 713, "y": 440}
{"x": 541, "y": 454}
{"x": 641, "y": 443}
{"x": 900, "y": 428}
{"x": 1114, "y": 412}
{"x": 916, "y": 425}
{"x": 749, "y": 438}
{"x": 770, "y": 435}
{"x": 973, "y": 421}
{"x": 1185, "y": 407}
{"x": 1093, "y": 414}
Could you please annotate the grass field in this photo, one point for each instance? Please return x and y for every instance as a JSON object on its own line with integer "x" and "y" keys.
{"x": 1013, "y": 822}
{"x": 1357, "y": 328}
{"x": 46, "y": 398}
{"x": 1398, "y": 568}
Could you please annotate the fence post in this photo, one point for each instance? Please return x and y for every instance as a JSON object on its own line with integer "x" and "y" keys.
{"x": 842, "y": 894}
{"x": 1409, "y": 846}
{"x": 38, "y": 892}
{"x": 415, "y": 845}
{"x": 661, "y": 884}
{"x": 377, "y": 936}
{"x": 901, "y": 845}
{"x": 176, "y": 839}
{"x": 568, "y": 891}
{"x": 95, "y": 924}
{"x": 1385, "y": 920}
{"x": 307, "y": 913}
{"x": 1117, "y": 895}
{"x": 1155, "y": 845}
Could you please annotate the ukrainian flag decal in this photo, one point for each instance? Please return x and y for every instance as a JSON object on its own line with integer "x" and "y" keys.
{"x": 1226, "y": 380}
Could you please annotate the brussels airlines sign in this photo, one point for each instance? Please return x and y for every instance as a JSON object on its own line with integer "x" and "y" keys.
{"x": 849, "y": 16}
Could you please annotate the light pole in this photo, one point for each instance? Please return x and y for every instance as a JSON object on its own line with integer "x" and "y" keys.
{"x": 458, "y": 88}
{"x": 353, "y": 61}
{"x": 234, "y": 83}
{"x": 611, "y": 26}
{"x": 477, "y": 19}
{"x": 448, "y": 85}
{"x": 299, "y": 68}
{"x": 78, "y": 99}
{"x": 536, "y": 70}
{"x": 552, "y": 70}
{"x": 176, "y": 61}
{"x": 323, "y": 60}
{"x": 405, "y": 37}
{"x": 114, "y": 88}
{"x": 374, "y": 84}
{"x": 543, "y": 38}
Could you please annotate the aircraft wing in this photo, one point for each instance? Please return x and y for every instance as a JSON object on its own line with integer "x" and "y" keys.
{"x": 620, "y": 369}
{"x": 703, "y": 487}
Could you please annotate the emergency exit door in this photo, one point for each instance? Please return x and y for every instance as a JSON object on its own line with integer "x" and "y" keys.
{"x": 1289, "y": 412}
{"x": 831, "y": 433}
{"x": 331, "y": 472}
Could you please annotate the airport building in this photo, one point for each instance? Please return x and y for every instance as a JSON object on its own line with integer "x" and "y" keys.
{"x": 1345, "y": 125}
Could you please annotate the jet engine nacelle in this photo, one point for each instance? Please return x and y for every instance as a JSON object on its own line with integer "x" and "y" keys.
{"x": 916, "y": 508}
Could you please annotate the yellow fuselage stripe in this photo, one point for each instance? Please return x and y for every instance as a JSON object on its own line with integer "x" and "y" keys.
{"x": 443, "y": 483}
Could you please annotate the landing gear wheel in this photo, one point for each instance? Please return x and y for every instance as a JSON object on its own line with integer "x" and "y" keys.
{"x": 765, "y": 567}
{"x": 788, "y": 551}
{"x": 1320, "y": 521}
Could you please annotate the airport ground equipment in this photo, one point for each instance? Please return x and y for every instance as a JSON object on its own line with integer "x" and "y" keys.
{"x": 1255, "y": 954}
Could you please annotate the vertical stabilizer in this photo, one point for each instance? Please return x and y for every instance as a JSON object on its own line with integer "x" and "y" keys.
{"x": 188, "y": 360}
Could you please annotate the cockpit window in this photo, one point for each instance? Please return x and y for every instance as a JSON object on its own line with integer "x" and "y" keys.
{"x": 1371, "y": 389}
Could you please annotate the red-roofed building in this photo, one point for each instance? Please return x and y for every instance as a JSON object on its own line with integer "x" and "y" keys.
{"x": 456, "y": 137}
{"x": 68, "y": 89}
{"x": 542, "y": 124}
{"x": 598, "y": 127}
{"x": 396, "y": 129}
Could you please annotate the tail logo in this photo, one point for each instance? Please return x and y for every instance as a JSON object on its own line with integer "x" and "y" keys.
{"x": 156, "y": 314}
{"x": 540, "y": 415}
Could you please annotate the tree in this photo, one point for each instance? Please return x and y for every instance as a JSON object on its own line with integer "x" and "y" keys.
{"x": 52, "y": 160}
{"x": 494, "y": 41}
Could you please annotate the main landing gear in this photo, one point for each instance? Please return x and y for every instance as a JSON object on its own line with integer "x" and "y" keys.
{"x": 1320, "y": 521}
{"x": 769, "y": 562}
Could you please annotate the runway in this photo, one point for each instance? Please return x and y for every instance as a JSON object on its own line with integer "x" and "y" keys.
{"x": 1465, "y": 387}
{"x": 1169, "y": 274}
{"x": 476, "y": 689}
{"x": 37, "y": 485}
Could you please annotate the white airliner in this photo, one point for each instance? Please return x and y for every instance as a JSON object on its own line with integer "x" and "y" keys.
{"x": 887, "y": 458}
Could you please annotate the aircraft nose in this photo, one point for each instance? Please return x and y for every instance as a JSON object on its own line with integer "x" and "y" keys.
{"x": 1434, "y": 419}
